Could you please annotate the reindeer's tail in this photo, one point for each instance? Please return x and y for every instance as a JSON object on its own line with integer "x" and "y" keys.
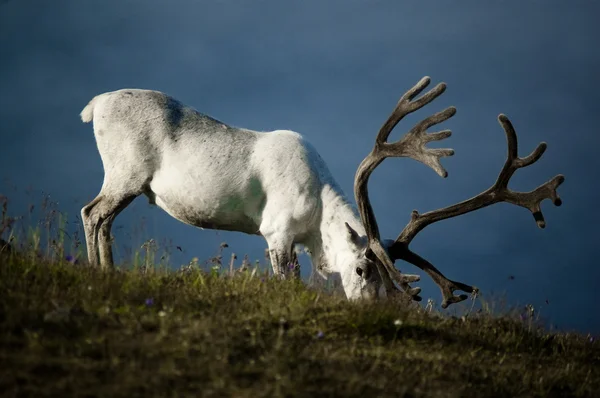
{"x": 87, "y": 114}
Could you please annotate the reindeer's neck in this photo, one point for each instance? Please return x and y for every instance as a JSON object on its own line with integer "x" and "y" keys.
{"x": 329, "y": 252}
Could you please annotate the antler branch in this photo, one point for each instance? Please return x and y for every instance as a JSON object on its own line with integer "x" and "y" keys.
{"x": 411, "y": 145}
{"x": 498, "y": 192}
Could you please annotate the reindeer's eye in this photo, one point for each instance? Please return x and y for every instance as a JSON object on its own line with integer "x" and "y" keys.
{"x": 359, "y": 271}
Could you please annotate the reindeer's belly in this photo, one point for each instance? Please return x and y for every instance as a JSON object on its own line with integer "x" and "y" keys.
{"x": 205, "y": 204}
{"x": 209, "y": 217}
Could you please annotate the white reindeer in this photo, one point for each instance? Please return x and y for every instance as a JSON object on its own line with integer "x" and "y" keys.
{"x": 211, "y": 175}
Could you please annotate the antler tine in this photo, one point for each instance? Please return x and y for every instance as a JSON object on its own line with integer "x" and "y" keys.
{"x": 401, "y": 110}
{"x": 446, "y": 286}
{"x": 513, "y": 162}
{"x": 499, "y": 192}
{"x": 411, "y": 145}
{"x": 405, "y": 106}
{"x": 529, "y": 200}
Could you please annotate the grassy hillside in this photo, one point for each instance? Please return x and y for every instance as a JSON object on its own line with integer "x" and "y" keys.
{"x": 68, "y": 330}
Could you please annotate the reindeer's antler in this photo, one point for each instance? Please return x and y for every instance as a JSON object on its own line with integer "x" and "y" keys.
{"x": 415, "y": 140}
{"x": 499, "y": 192}
{"x": 411, "y": 145}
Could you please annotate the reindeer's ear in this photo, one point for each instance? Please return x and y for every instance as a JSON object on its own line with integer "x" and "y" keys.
{"x": 353, "y": 237}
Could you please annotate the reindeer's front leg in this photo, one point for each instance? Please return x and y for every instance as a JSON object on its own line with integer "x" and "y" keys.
{"x": 283, "y": 258}
{"x": 284, "y": 262}
{"x": 277, "y": 231}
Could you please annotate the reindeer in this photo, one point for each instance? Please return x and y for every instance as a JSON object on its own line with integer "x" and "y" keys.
{"x": 275, "y": 184}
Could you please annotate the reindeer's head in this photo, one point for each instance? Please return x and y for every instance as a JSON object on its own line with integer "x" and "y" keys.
{"x": 373, "y": 254}
{"x": 361, "y": 279}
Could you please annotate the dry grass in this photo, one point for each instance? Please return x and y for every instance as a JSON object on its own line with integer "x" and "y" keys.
{"x": 70, "y": 330}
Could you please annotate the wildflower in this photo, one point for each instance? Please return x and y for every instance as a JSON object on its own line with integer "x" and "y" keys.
{"x": 530, "y": 309}
{"x": 320, "y": 334}
{"x": 148, "y": 245}
{"x": 71, "y": 259}
{"x": 149, "y": 301}
{"x": 430, "y": 304}
{"x": 474, "y": 294}
{"x": 162, "y": 314}
{"x": 397, "y": 323}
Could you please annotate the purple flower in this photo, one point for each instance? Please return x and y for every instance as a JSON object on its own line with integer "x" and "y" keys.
{"x": 592, "y": 339}
{"x": 320, "y": 334}
{"x": 71, "y": 259}
{"x": 149, "y": 301}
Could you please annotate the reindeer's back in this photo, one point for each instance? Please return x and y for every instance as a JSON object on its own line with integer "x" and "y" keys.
{"x": 147, "y": 127}
{"x": 201, "y": 170}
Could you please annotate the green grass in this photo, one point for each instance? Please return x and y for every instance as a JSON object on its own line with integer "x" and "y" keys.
{"x": 68, "y": 330}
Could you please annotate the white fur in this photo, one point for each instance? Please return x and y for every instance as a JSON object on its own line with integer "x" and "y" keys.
{"x": 210, "y": 175}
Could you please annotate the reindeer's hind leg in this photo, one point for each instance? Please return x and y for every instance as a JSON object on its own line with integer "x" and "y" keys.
{"x": 100, "y": 214}
{"x": 110, "y": 209}
{"x": 98, "y": 217}
{"x": 90, "y": 230}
